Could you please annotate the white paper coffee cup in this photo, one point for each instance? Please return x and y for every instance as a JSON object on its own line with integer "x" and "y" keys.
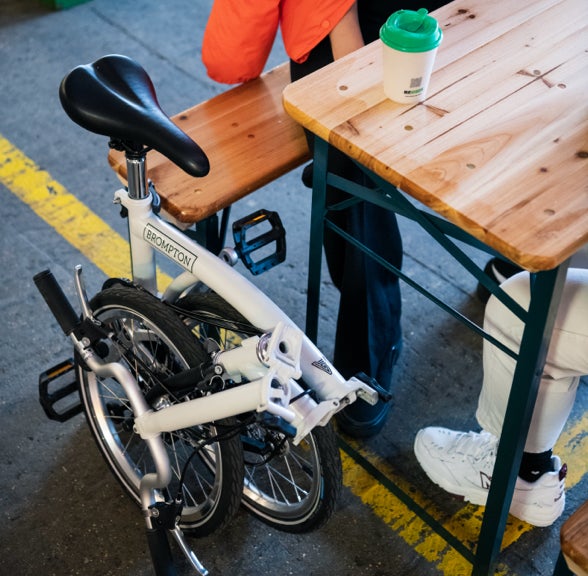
{"x": 409, "y": 41}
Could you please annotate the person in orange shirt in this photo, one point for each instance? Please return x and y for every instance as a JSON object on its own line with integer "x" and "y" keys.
{"x": 239, "y": 35}
{"x": 236, "y": 44}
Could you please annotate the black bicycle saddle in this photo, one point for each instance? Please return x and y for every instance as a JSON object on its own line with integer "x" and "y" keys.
{"x": 115, "y": 97}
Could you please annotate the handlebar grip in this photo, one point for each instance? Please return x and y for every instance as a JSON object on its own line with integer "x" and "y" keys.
{"x": 57, "y": 301}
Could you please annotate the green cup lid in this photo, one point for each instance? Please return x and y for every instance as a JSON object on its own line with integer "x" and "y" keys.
{"x": 411, "y": 31}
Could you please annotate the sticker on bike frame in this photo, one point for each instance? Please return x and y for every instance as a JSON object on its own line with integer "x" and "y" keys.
{"x": 322, "y": 365}
{"x": 172, "y": 249}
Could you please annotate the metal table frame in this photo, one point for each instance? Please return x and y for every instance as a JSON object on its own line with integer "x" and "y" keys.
{"x": 546, "y": 289}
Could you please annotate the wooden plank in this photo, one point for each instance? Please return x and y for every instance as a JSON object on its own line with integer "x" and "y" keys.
{"x": 574, "y": 540}
{"x": 500, "y": 145}
{"x": 478, "y": 165}
{"x": 248, "y": 138}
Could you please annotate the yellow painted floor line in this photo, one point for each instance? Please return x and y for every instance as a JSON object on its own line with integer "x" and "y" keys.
{"x": 63, "y": 211}
{"x": 466, "y": 523}
{"x": 70, "y": 218}
{"x": 572, "y": 448}
{"x": 412, "y": 529}
{"x": 109, "y": 252}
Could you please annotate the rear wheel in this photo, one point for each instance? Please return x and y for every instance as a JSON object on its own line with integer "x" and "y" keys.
{"x": 154, "y": 344}
{"x": 293, "y": 488}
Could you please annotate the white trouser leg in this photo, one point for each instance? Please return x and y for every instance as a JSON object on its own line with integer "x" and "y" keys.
{"x": 567, "y": 360}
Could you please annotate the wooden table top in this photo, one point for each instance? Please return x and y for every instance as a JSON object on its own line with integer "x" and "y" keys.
{"x": 500, "y": 145}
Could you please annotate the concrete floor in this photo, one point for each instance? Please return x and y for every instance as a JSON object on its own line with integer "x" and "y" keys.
{"x": 62, "y": 511}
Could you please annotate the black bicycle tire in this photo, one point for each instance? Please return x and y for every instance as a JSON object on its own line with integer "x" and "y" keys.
{"x": 229, "y": 451}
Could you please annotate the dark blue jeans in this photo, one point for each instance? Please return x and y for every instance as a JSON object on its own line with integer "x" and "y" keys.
{"x": 368, "y": 323}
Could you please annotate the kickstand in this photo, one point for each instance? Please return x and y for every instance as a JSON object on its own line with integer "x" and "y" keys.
{"x": 188, "y": 552}
{"x": 163, "y": 520}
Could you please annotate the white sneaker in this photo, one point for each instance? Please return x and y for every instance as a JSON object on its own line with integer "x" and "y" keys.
{"x": 462, "y": 463}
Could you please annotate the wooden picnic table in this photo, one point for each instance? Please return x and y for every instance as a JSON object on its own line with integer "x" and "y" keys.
{"x": 496, "y": 155}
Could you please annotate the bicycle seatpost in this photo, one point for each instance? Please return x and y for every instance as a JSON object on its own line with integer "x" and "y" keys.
{"x": 135, "y": 156}
{"x": 137, "y": 175}
{"x": 141, "y": 202}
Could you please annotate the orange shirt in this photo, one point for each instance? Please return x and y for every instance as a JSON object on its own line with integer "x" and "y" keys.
{"x": 240, "y": 34}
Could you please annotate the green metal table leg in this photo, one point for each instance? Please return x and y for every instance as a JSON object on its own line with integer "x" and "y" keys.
{"x": 319, "y": 191}
{"x": 546, "y": 289}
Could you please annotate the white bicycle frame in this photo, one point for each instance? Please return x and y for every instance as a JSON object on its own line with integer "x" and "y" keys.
{"x": 148, "y": 234}
{"x": 270, "y": 363}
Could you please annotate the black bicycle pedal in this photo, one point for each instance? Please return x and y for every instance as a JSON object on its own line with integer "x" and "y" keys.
{"x": 56, "y": 385}
{"x": 268, "y": 246}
